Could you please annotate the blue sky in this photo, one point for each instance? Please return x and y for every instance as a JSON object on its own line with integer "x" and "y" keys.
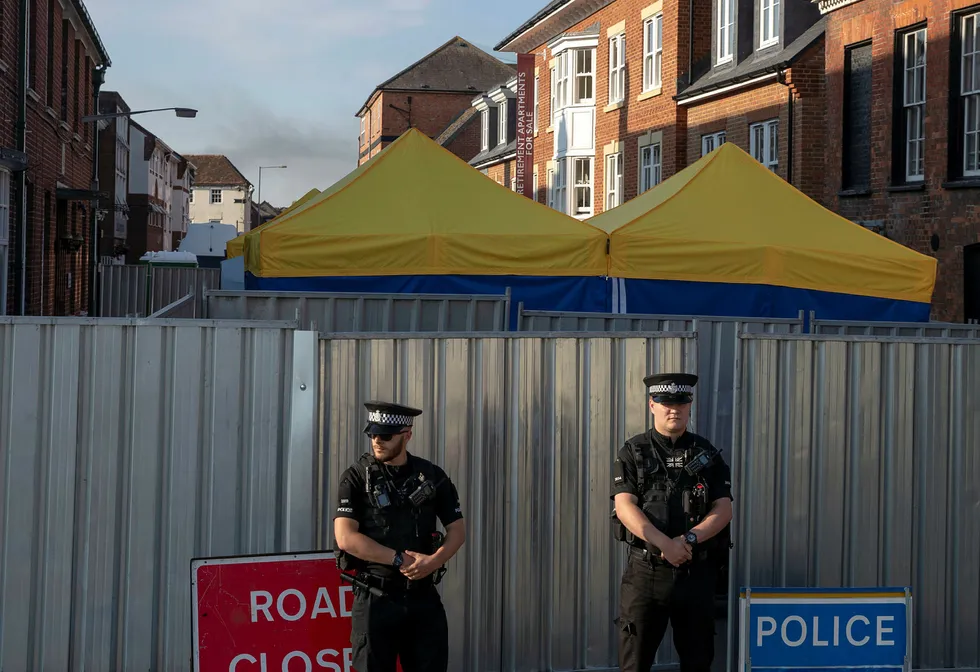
{"x": 278, "y": 82}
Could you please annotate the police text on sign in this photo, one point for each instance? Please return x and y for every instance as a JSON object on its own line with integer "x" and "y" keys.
{"x": 808, "y": 628}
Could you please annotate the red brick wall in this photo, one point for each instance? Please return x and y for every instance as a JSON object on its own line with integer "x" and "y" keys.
{"x": 466, "y": 144}
{"x": 431, "y": 113}
{"x": 57, "y": 277}
{"x": 911, "y": 218}
{"x": 635, "y": 117}
{"x": 735, "y": 112}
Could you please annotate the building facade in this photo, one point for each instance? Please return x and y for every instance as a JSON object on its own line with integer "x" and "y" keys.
{"x": 629, "y": 92}
{"x": 152, "y": 169}
{"x": 47, "y": 155}
{"x": 903, "y": 98}
{"x": 113, "y": 178}
{"x": 221, "y": 193}
{"x": 184, "y": 176}
{"x": 432, "y": 95}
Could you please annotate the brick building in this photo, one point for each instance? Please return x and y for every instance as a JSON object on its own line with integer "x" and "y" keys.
{"x": 434, "y": 96}
{"x": 113, "y": 177}
{"x": 629, "y": 92}
{"x": 903, "y": 96}
{"x": 47, "y": 155}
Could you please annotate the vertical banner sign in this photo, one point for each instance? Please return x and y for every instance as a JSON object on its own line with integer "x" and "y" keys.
{"x": 845, "y": 629}
{"x": 525, "y": 125}
{"x": 269, "y": 613}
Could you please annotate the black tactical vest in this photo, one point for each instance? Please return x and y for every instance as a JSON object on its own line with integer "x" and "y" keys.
{"x": 400, "y": 525}
{"x": 662, "y": 489}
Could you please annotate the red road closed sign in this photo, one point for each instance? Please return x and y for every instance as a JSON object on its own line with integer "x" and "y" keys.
{"x": 271, "y": 613}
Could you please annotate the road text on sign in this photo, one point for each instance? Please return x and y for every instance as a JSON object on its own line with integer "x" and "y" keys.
{"x": 811, "y": 628}
{"x": 276, "y": 613}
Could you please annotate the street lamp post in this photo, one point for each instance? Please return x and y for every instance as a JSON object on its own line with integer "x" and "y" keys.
{"x": 259, "y": 198}
{"x": 93, "y": 284}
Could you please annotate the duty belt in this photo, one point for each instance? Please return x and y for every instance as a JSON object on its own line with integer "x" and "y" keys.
{"x": 394, "y": 584}
{"x": 657, "y": 559}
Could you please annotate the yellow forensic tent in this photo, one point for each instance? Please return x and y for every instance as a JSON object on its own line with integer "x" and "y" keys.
{"x": 236, "y": 246}
{"x": 416, "y": 218}
{"x": 728, "y": 236}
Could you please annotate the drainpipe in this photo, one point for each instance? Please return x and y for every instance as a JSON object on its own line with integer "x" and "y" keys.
{"x": 789, "y": 133}
{"x": 690, "y": 42}
{"x": 98, "y": 78}
{"x": 20, "y": 133}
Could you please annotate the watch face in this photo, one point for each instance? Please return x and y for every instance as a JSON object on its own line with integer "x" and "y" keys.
{"x": 398, "y": 560}
{"x": 692, "y": 538}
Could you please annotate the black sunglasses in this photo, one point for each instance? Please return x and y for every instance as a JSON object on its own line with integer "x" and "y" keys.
{"x": 385, "y": 437}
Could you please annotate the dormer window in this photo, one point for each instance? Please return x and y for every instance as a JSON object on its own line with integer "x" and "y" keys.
{"x": 726, "y": 31}
{"x": 769, "y": 28}
{"x": 502, "y": 122}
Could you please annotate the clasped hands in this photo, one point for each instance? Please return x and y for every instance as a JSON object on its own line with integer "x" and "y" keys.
{"x": 417, "y": 566}
{"x": 677, "y": 551}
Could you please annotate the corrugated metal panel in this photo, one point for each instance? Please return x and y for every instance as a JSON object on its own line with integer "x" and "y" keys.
{"x": 126, "y": 449}
{"x": 718, "y": 349}
{"x": 122, "y": 291}
{"x": 353, "y": 312}
{"x": 857, "y": 465}
{"x": 168, "y": 284}
{"x": 528, "y": 429}
{"x": 184, "y": 308}
{"x": 908, "y": 329}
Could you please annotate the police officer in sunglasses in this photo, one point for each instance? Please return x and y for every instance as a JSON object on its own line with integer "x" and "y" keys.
{"x": 389, "y": 543}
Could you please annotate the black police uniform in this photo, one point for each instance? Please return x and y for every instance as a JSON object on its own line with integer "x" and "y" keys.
{"x": 653, "y": 592}
{"x": 407, "y": 621}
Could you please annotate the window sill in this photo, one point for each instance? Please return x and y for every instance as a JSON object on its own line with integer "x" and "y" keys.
{"x": 852, "y": 193}
{"x": 615, "y": 106}
{"x": 550, "y": 129}
{"x": 963, "y": 183}
{"x": 899, "y": 188}
{"x": 4, "y": 67}
{"x": 768, "y": 45}
{"x": 647, "y": 95}
{"x": 34, "y": 95}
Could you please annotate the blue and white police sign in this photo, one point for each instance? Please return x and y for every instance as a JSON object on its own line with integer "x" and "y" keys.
{"x": 841, "y": 628}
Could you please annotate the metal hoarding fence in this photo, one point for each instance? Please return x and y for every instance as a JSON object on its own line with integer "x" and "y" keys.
{"x": 140, "y": 290}
{"x": 528, "y": 427}
{"x": 128, "y": 447}
{"x": 335, "y": 312}
{"x": 856, "y": 464}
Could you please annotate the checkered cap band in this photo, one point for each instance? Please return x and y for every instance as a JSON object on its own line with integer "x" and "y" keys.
{"x": 671, "y": 388}
{"x": 381, "y": 418}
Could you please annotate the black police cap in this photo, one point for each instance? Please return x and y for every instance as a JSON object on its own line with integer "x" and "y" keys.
{"x": 385, "y": 417}
{"x": 671, "y": 387}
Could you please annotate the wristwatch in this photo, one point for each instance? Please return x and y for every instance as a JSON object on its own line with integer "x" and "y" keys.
{"x": 397, "y": 560}
{"x": 691, "y": 538}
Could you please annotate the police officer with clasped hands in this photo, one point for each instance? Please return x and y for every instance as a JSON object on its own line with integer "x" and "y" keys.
{"x": 391, "y": 550}
{"x": 672, "y": 494}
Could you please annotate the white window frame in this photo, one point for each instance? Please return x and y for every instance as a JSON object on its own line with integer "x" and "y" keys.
{"x": 554, "y": 95}
{"x": 712, "y": 141}
{"x": 583, "y": 77}
{"x": 768, "y": 23}
{"x": 550, "y": 177}
{"x": 220, "y": 195}
{"x": 970, "y": 91}
{"x": 585, "y": 187}
{"x": 534, "y": 188}
{"x": 560, "y": 196}
{"x": 561, "y": 83}
{"x": 614, "y": 180}
{"x": 617, "y": 68}
{"x": 764, "y": 143}
{"x": 725, "y": 33}
{"x": 653, "y": 52}
{"x": 4, "y": 236}
{"x": 537, "y": 86}
{"x": 502, "y": 123}
{"x": 914, "y": 103}
{"x": 651, "y": 166}
{"x": 485, "y": 129}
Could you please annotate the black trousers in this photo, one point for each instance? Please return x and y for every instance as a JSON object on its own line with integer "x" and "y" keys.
{"x": 409, "y": 626}
{"x": 653, "y": 595}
